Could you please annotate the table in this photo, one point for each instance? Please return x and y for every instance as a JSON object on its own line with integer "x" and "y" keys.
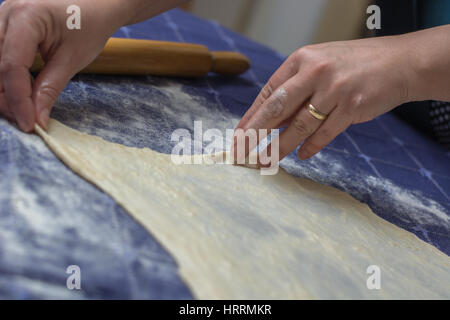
{"x": 50, "y": 218}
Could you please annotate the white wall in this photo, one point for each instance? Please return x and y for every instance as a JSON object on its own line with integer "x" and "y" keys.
{"x": 233, "y": 14}
{"x": 285, "y": 24}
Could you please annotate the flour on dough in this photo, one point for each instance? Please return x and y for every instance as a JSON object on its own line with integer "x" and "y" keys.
{"x": 239, "y": 235}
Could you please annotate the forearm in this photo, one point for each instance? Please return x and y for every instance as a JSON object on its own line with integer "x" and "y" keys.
{"x": 428, "y": 52}
{"x": 140, "y": 10}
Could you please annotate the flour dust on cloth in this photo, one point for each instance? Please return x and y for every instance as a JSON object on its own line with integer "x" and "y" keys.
{"x": 236, "y": 234}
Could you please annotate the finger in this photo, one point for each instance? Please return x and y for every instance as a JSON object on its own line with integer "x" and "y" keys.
{"x": 3, "y": 28}
{"x": 4, "y": 110}
{"x": 286, "y": 71}
{"x": 18, "y": 54}
{"x": 304, "y": 124}
{"x": 50, "y": 82}
{"x": 336, "y": 123}
{"x": 280, "y": 106}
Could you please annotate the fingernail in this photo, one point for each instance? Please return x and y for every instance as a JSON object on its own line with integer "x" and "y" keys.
{"x": 23, "y": 125}
{"x": 44, "y": 104}
{"x": 303, "y": 154}
{"x": 43, "y": 117}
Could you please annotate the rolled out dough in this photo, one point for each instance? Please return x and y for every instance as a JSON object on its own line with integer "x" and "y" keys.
{"x": 239, "y": 235}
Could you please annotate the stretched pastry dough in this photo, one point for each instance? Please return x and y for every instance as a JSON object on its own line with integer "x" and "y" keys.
{"x": 239, "y": 235}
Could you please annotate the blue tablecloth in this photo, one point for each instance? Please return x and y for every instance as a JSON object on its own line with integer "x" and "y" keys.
{"x": 50, "y": 218}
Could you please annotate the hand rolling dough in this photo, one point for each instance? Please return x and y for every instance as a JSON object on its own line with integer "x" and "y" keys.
{"x": 239, "y": 235}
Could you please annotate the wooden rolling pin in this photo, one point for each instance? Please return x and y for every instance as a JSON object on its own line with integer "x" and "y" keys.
{"x": 148, "y": 57}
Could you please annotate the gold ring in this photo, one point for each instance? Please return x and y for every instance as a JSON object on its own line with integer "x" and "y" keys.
{"x": 316, "y": 113}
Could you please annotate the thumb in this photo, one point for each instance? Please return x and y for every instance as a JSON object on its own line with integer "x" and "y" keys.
{"x": 50, "y": 82}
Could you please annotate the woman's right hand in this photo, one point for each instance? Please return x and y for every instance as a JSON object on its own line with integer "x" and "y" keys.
{"x": 29, "y": 26}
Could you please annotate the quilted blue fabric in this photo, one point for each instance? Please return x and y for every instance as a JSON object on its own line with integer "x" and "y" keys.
{"x": 50, "y": 218}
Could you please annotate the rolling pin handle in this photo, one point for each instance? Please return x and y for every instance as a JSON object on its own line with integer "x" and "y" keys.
{"x": 229, "y": 63}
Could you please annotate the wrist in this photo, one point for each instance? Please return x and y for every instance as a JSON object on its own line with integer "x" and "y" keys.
{"x": 426, "y": 53}
{"x": 415, "y": 65}
{"x": 406, "y": 64}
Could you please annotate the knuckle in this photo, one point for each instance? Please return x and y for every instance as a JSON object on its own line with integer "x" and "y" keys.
{"x": 321, "y": 67}
{"x": 306, "y": 50}
{"x": 275, "y": 105}
{"x": 7, "y": 66}
{"x": 293, "y": 64}
{"x": 50, "y": 91}
{"x": 350, "y": 107}
{"x": 297, "y": 56}
{"x": 270, "y": 112}
{"x": 267, "y": 91}
{"x": 339, "y": 84}
{"x": 301, "y": 127}
{"x": 355, "y": 100}
{"x": 19, "y": 6}
{"x": 302, "y": 53}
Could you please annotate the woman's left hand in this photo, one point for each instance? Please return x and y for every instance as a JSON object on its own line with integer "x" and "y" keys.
{"x": 346, "y": 82}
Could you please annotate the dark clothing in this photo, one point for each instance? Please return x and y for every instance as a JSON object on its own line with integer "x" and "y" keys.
{"x": 402, "y": 16}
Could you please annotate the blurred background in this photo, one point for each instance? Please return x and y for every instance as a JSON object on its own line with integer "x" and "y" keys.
{"x": 286, "y": 25}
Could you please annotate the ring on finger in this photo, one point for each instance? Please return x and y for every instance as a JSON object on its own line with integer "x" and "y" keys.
{"x": 316, "y": 113}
